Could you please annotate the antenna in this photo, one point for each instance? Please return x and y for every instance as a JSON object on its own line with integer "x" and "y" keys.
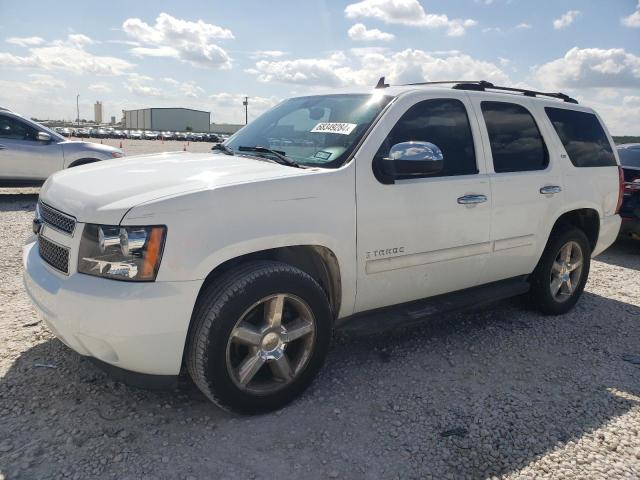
{"x": 381, "y": 83}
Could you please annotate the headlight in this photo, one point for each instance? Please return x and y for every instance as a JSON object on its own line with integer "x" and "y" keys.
{"x": 117, "y": 154}
{"x": 121, "y": 253}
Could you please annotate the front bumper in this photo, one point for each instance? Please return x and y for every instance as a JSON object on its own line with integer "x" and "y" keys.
{"x": 141, "y": 327}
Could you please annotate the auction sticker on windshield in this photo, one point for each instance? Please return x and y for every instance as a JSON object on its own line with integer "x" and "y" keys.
{"x": 341, "y": 128}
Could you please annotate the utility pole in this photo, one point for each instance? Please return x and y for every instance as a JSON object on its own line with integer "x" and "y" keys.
{"x": 78, "y": 109}
{"x": 246, "y": 110}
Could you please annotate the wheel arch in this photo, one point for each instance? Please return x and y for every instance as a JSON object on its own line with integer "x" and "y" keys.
{"x": 83, "y": 161}
{"x": 586, "y": 219}
{"x": 318, "y": 261}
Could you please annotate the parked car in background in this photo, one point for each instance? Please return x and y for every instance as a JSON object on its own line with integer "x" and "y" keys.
{"x": 30, "y": 152}
{"x": 135, "y": 134}
{"x": 630, "y": 211}
{"x": 82, "y": 133}
{"x": 236, "y": 265}
{"x": 167, "y": 135}
{"x": 149, "y": 135}
{"x": 182, "y": 136}
{"x": 117, "y": 134}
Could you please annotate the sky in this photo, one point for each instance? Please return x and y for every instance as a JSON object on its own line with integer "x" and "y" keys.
{"x": 209, "y": 54}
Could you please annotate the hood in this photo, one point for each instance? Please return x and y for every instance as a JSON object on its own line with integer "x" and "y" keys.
{"x": 103, "y": 192}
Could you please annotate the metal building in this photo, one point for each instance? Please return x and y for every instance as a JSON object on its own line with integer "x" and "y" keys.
{"x": 163, "y": 119}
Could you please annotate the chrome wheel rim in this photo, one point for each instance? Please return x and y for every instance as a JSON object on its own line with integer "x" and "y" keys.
{"x": 271, "y": 344}
{"x": 566, "y": 271}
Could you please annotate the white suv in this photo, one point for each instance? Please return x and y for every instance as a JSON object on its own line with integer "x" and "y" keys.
{"x": 238, "y": 264}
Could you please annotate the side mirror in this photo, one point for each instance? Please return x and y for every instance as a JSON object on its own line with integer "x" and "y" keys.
{"x": 408, "y": 159}
{"x": 43, "y": 137}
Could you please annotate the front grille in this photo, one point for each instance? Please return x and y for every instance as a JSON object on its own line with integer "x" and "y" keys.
{"x": 54, "y": 255}
{"x": 56, "y": 219}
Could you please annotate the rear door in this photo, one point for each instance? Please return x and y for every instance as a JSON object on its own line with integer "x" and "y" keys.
{"x": 526, "y": 183}
{"x": 417, "y": 237}
{"x": 22, "y": 156}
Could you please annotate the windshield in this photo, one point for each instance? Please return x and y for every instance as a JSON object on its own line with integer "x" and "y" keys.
{"x": 319, "y": 130}
{"x": 629, "y": 157}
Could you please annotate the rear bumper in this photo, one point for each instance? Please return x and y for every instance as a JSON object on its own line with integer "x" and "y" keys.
{"x": 140, "y": 327}
{"x": 609, "y": 229}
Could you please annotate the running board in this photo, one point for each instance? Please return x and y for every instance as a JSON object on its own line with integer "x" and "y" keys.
{"x": 413, "y": 313}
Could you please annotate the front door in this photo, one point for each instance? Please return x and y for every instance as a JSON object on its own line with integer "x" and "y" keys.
{"x": 420, "y": 237}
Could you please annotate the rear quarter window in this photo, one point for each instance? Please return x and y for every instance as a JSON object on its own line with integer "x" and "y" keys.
{"x": 583, "y": 137}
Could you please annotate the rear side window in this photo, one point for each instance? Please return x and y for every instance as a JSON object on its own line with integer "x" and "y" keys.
{"x": 516, "y": 143}
{"x": 443, "y": 122}
{"x": 583, "y": 137}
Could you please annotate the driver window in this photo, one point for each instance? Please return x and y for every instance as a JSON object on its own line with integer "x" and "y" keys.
{"x": 443, "y": 122}
{"x": 14, "y": 129}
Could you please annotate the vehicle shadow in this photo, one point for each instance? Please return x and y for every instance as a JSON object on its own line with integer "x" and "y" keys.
{"x": 471, "y": 395}
{"x": 17, "y": 199}
{"x": 625, "y": 252}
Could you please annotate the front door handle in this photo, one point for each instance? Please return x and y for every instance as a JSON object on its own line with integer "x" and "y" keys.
{"x": 550, "y": 189}
{"x": 472, "y": 199}
{"x": 3, "y": 147}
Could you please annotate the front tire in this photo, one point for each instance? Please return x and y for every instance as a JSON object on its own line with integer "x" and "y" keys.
{"x": 561, "y": 274}
{"x": 260, "y": 335}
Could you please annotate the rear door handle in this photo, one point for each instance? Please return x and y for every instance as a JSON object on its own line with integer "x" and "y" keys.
{"x": 3, "y": 147}
{"x": 550, "y": 189}
{"x": 472, "y": 199}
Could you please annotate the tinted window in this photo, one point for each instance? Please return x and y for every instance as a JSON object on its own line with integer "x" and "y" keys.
{"x": 443, "y": 122}
{"x": 516, "y": 143}
{"x": 15, "y": 129}
{"x": 629, "y": 157}
{"x": 583, "y": 137}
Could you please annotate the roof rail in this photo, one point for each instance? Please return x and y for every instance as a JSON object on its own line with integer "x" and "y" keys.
{"x": 483, "y": 85}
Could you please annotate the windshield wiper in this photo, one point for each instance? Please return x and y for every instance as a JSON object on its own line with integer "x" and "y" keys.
{"x": 280, "y": 157}
{"x": 222, "y": 148}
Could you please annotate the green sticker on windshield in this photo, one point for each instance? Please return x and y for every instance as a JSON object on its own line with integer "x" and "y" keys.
{"x": 322, "y": 155}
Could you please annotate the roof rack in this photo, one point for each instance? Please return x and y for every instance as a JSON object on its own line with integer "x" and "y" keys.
{"x": 483, "y": 85}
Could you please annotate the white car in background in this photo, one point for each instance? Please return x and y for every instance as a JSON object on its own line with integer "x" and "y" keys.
{"x": 30, "y": 152}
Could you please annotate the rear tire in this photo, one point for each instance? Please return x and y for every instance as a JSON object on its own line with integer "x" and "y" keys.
{"x": 561, "y": 274}
{"x": 260, "y": 334}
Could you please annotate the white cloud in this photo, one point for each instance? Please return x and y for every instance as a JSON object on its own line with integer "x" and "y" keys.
{"x": 187, "y": 89}
{"x": 190, "y": 42}
{"x": 633, "y": 20}
{"x": 591, "y": 68}
{"x": 504, "y": 61}
{"x": 360, "y": 33}
{"x": 100, "y": 88}
{"x": 139, "y": 86}
{"x": 631, "y": 100}
{"x": 25, "y": 41}
{"x": 268, "y": 54}
{"x": 69, "y": 54}
{"x": 566, "y": 19}
{"x": 523, "y": 26}
{"x": 364, "y": 66}
{"x": 407, "y": 12}
{"x": 45, "y": 80}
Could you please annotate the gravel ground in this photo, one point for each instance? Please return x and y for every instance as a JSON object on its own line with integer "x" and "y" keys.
{"x": 502, "y": 392}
